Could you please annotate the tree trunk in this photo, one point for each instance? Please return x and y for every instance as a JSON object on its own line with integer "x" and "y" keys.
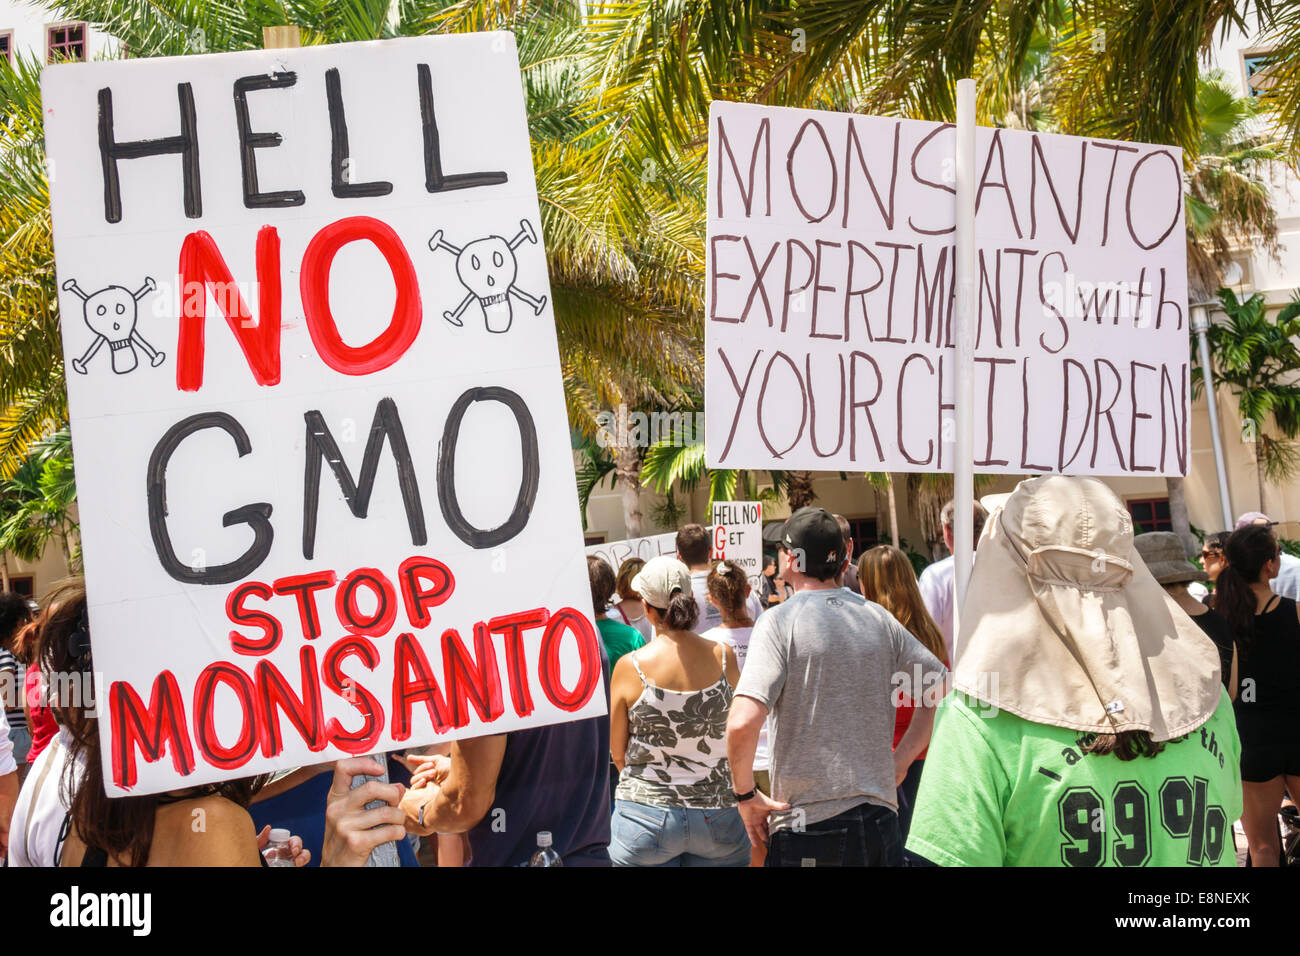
{"x": 627, "y": 474}
{"x": 893, "y": 511}
{"x": 1178, "y": 513}
{"x": 1259, "y": 476}
{"x": 4, "y": 573}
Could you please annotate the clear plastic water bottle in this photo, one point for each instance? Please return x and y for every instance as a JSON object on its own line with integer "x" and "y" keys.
{"x": 277, "y": 852}
{"x": 545, "y": 856}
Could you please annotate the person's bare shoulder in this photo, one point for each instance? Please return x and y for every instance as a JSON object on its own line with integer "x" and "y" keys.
{"x": 204, "y": 831}
{"x": 624, "y": 678}
{"x": 722, "y": 653}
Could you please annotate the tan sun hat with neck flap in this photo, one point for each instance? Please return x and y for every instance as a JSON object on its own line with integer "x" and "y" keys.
{"x": 1078, "y": 633}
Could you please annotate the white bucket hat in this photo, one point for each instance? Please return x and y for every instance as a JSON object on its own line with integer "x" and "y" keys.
{"x": 1077, "y": 631}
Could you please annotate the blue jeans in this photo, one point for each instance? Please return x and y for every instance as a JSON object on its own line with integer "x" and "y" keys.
{"x": 865, "y": 835}
{"x": 645, "y": 835}
{"x": 21, "y": 738}
{"x": 906, "y": 804}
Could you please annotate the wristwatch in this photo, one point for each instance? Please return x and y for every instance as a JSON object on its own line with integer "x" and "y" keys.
{"x": 742, "y": 797}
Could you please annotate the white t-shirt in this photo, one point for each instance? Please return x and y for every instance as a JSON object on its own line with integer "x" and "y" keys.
{"x": 640, "y": 624}
{"x": 1287, "y": 582}
{"x": 737, "y": 638}
{"x": 710, "y": 616}
{"x": 40, "y": 810}
{"x": 936, "y": 585}
{"x": 7, "y": 762}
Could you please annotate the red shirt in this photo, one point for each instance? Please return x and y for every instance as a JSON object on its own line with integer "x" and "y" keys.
{"x": 903, "y": 719}
{"x": 42, "y": 723}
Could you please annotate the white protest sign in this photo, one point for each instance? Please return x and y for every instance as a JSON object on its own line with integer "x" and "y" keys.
{"x": 326, "y": 491}
{"x": 614, "y": 553}
{"x": 738, "y": 535}
{"x": 830, "y": 297}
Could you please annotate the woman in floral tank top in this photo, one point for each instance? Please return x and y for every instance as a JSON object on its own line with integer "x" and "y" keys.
{"x": 668, "y": 720}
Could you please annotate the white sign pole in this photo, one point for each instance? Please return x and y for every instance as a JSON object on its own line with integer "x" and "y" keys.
{"x": 1200, "y": 324}
{"x": 964, "y": 330}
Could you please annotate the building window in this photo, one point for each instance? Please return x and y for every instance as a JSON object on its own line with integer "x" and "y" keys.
{"x": 26, "y": 586}
{"x": 7, "y": 46}
{"x": 1256, "y": 66}
{"x": 865, "y": 533}
{"x": 65, "y": 41}
{"x": 1150, "y": 514}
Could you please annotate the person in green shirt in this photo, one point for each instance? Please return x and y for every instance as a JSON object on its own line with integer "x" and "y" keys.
{"x": 617, "y": 637}
{"x": 1088, "y": 726}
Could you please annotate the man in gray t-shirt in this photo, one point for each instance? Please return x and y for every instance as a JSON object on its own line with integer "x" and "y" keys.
{"x": 826, "y": 664}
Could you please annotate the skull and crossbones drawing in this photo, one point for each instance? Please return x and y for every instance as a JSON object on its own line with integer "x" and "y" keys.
{"x": 111, "y": 314}
{"x": 487, "y": 268}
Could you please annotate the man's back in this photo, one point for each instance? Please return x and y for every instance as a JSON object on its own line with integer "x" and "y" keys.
{"x": 1010, "y": 792}
{"x": 552, "y": 778}
{"x": 824, "y": 662}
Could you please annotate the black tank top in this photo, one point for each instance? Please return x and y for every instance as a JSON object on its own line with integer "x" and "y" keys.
{"x": 94, "y": 857}
{"x": 1271, "y": 660}
{"x": 1217, "y": 630}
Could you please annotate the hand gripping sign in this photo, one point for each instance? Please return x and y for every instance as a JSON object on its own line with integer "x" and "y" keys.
{"x": 315, "y": 532}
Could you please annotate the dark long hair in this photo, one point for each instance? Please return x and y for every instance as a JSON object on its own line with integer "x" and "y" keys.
{"x": 728, "y": 585}
{"x": 1126, "y": 745}
{"x": 120, "y": 826}
{"x": 681, "y": 613}
{"x": 1247, "y": 550}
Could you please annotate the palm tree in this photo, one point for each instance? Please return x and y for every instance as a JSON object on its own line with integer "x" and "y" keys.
{"x": 36, "y": 503}
{"x": 675, "y": 462}
{"x": 1228, "y": 205}
{"x": 1228, "y": 196}
{"x": 1257, "y": 357}
{"x": 883, "y": 481}
{"x": 33, "y": 399}
{"x": 799, "y": 490}
{"x": 593, "y": 465}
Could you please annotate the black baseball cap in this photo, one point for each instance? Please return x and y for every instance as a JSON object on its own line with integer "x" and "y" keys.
{"x": 815, "y": 534}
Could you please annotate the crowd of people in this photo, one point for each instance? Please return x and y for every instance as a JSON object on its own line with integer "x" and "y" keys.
{"x": 831, "y": 712}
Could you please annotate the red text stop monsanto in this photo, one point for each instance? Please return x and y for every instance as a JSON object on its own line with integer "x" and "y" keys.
{"x": 469, "y": 680}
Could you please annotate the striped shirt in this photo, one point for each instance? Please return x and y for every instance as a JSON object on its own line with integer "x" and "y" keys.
{"x": 11, "y": 688}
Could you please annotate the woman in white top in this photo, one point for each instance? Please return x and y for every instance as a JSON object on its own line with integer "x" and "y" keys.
{"x": 729, "y": 591}
{"x": 630, "y": 606}
{"x": 37, "y": 832}
{"x": 668, "y": 721}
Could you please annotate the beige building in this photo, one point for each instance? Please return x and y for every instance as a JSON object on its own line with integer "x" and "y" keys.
{"x": 35, "y": 579}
